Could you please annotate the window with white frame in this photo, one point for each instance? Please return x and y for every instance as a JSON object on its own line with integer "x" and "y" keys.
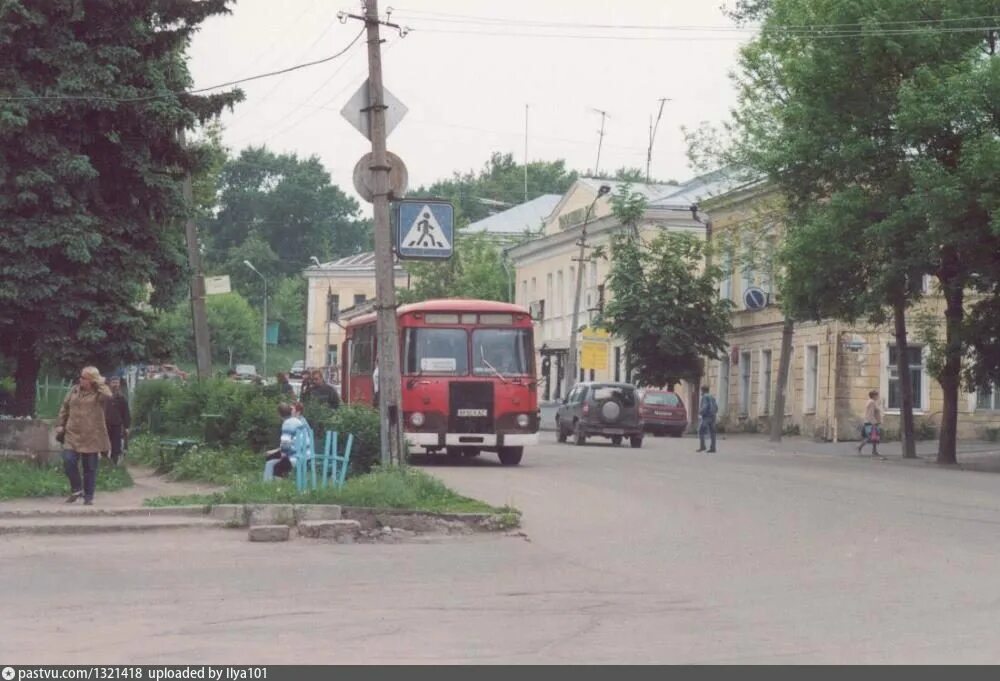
{"x": 765, "y": 382}
{"x": 593, "y": 275}
{"x": 534, "y": 289}
{"x": 524, "y": 292}
{"x": 812, "y": 378}
{"x": 560, "y": 291}
{"x": 723, "y": 398}
{"x": 988, "y": 398}
{"x": 745, "y": 383}
{"x": 726, "y": 285}
{"x": 915, "y": 355}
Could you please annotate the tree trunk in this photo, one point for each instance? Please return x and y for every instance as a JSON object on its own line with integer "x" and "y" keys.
{"x": 778, "y": 416}
{"x": 25, "y": 381}
{"x": 951, "y": 371}
{"x": 905, "y": 382}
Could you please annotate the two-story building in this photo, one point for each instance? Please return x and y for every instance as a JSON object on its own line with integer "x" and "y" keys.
{"x": 546, "y": 267}
{"x": 332, "y": 287}
{"x": 833, "y": 365}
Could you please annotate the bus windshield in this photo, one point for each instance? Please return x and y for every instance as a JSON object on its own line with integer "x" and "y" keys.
{"x": 503, "y": 351}
{"x": 436, "y": 351}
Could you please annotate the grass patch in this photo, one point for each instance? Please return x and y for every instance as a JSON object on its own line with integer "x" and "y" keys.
{"x": 20, "y": 479}
{"x": 403, "y": 488}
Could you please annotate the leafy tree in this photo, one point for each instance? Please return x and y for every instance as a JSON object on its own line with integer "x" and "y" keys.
{"x": 91, "y": 202}
{"x": 288, "y": 307}
{"x": 234, "y": 327}
{"x": 289, "y": 204}
{"x": 668, "y": 313}
{"x": 475, "y": 270}
{"x": 501, "y": 181}
{"x": 863, "y": 135}
{"x": 259, "y": 253}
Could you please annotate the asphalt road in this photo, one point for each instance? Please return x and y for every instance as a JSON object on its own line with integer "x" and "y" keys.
{"x": 641, "y": 556}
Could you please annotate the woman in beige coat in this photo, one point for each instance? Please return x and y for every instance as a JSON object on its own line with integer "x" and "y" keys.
{"x": 84, "y": 432}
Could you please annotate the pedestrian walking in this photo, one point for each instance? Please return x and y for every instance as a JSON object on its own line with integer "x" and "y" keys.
{"x": 871, "y": 431}
{"x": 84, "y": 433}
{"x": 117, "y": 418}
{"x": 708, "y": 409}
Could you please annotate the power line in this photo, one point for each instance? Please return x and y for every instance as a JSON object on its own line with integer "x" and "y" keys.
{"x": 442, "y": 17}
{"x": 662, "y": 38}
{"x": 174, "y": 93}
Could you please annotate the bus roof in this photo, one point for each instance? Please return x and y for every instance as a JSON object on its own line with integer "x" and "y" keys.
{"x": 448, "y": 305}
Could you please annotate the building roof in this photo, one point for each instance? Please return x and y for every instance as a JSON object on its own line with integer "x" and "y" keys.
{"x": 650, "y": 191}
{"x": 526, "y": 216}
{"x": 700, "y": 188}
{"x": 360, "y": 263}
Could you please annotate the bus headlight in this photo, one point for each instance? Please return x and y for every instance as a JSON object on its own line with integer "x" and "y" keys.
{"x": 523, "y": 420}
{"x": 417, "y": 419}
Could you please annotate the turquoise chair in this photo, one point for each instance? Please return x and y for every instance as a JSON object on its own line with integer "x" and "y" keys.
{"x": 335, "y": 464}
{"x": 303, "y": 446}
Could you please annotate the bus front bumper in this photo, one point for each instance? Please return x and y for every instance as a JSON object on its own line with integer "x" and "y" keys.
{"x": 435, "y": 440}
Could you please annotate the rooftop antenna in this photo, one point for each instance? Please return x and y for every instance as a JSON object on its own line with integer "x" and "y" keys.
{"x": 652, "y": 135}
{"x": 600, "y": 141}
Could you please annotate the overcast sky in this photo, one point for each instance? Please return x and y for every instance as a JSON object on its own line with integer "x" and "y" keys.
{"x": 466, "y": 82}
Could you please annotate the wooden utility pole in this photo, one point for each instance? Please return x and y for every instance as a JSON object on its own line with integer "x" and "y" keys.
{"x": 389, "y": 381}
{"x": 203, "y": 350}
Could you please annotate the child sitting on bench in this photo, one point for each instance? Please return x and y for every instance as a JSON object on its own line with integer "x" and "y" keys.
{"x": 280, "y": 461}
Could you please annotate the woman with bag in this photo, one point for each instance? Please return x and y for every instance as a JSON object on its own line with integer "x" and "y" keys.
{"x": 84, "y": 432}
{"x": 871, "y": 431}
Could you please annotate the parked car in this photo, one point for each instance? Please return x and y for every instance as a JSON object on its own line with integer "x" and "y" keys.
{"x": 298, "y": 369}
{"x": 246, "y": 372}
{"x": 608, "y": 410}
{"x": 663, "y": 412}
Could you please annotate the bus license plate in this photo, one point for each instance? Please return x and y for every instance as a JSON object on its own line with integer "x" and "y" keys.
{"x": 472, "y": 412}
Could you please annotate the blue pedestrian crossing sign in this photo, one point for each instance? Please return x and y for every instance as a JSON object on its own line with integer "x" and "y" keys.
{"x": 425, "y": 229}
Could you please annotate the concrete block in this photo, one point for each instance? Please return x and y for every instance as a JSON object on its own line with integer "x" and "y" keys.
{"x": 271, "y": 514}
{"x": 339, "y": 530}
{"x": 231, "y": 514}
{"x": 269, "y": 533}
{"x": 310, "y": 512}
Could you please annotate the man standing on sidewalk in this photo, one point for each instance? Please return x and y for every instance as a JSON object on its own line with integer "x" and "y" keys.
{"x": 707, "y": 410}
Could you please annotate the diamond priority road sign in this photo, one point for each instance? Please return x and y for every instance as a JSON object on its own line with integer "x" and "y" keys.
{"x": 425, "y": 229}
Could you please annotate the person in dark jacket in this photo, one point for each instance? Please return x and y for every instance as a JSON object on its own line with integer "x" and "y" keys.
{"x": 117, "y": 417}
{"x": 321, "y": 391}
{"x": 285, "y": 388}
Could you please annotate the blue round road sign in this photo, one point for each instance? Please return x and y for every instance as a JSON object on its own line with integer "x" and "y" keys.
{"x": 755, "y": 298}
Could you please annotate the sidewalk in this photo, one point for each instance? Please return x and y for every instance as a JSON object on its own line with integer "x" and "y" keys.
{"x": 973, "y": 455}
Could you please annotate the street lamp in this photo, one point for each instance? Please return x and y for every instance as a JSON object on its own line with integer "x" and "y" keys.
{"x": 315, "y": 260}
{"x": 264, "y": 343}
{"x": 571, "y": 369}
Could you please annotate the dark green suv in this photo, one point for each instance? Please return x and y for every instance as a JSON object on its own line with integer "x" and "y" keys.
{"x": 608, "y": 410}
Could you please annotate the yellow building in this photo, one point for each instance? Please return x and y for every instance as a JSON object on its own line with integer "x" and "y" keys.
{"x": 834, "y": 365}
{"x": 546, "y": 270}
{"x": 333, "y": 287}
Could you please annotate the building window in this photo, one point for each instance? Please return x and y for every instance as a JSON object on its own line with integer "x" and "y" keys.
{"x": 560, "y": 291}
{"x": 726, "y": 285}
{"x": 745, "y": 383}
{"x": 359, "y": 298}
{"x": 332, "y": 307}
{"x": 988, "y": 398}
{"x": 524, "y": 292}
{"x": 812, "y": 378}
{"x": 331, "y": 356}
{"x": 723, "y": 399}
{"x": 915, "y": 355}
{"x": 534, "y": 289}
{"x": 765, "y": 382}
{"x": 593, "y": 274}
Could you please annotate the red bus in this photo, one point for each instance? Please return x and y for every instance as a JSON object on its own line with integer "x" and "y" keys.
{"x": 468, "y": 372}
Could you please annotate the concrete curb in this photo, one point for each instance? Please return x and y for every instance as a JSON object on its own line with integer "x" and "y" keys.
{"x": 94, "y": 512}
{"x": 89, "y": 526}
{"x": 426, "y": 521}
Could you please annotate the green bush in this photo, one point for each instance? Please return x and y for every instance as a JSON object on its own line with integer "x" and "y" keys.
{"x": 20, "y": 479}
{"x": 147, "y": 406}
{"x": 362, "y": 422}
{"x": 218, "y": 466}
{"x": 991, "y": 434}
{"x": 923, "y": 429}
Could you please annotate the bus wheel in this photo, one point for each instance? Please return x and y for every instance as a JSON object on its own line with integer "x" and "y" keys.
{"x": 510, "y": 456}
{"x": 616, "y": 440}
{"x": 470, "y": 452}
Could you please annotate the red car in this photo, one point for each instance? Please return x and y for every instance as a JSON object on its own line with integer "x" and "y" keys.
{"x": 663, "y": 412}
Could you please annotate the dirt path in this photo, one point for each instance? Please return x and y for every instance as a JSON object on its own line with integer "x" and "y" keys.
{"x": 147, "y": 485}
